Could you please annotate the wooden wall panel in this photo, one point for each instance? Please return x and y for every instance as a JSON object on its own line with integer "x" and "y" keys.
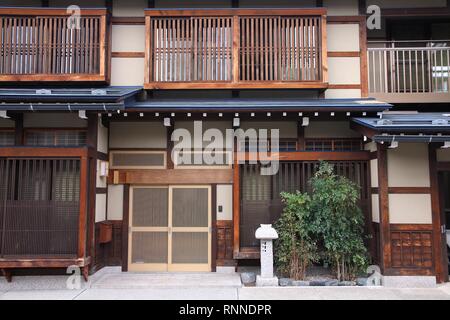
{"x": 225, "y": 243}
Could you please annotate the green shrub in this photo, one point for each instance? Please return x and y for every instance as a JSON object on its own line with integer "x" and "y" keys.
{"x": 295, "y": 249}
{"x": 338, "y": 222}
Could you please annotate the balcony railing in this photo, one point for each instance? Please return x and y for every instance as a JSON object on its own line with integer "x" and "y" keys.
{"x": 43, "y": 44}
{"x": 236, "y": 48}
{"x": 414, "y": 71}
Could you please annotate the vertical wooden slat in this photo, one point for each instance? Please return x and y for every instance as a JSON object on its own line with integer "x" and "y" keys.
{"x": 234, "y": 66}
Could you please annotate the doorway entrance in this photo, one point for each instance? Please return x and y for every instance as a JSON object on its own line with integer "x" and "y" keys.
{"x": 170, "y": 228}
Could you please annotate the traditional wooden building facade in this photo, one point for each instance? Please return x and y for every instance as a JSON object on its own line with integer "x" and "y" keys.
{"x": 90, "y": 98}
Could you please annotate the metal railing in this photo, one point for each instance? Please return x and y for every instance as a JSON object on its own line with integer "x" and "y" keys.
{"x": 409, "y": 66}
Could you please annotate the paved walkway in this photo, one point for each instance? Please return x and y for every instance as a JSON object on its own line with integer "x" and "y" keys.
{"x": 111, "y": 284}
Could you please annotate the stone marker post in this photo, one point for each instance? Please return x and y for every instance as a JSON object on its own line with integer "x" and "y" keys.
{"x": 266, "y": 234}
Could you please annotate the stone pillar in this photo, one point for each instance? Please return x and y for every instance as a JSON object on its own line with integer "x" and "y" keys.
{"x": 266, "y": 234}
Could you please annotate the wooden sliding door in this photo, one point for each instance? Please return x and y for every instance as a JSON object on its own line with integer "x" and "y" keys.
{"x": 170, "y": 228}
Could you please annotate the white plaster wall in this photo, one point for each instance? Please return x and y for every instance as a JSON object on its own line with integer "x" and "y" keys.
{"x": 341, "y": 7}
{"x": 344, "y": 70}
{"x": 100, "y": 207}
{"x": 375, "y": 208}
{"x": 115, "y": 202}
{"x": 374, "y": 173}
{"x": 329, "y": 129}
{"x": 408, "y": 165}
{"x": 288, "y": 129}
{"x": 102, "y": 138}
{"x": 6, "y": 123}
{"x": 342, "y": 37}
{"x": 343, "y": 93}
{"x": 53, "y": 120}
{"x": 128, "y": 38}
{"x": 101, "y": 182}
{"x": 205, "y": 125}
{"x": 127, "y": 71}
{"x": 225, "y": 199}
{"x": 137, "y": 135}
{"x": 129, "y": 8}
{"x": 410, "y": 208}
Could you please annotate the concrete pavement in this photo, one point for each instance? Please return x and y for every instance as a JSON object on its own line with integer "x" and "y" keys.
{"x": 111, "y": 284}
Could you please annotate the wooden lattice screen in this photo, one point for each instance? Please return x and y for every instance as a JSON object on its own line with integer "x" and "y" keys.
{"x": 39, "y": 207}
{"x": 235, "y": 49}
{"x": 260, "y": 195}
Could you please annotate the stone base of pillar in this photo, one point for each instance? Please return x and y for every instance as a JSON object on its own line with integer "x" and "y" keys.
{"x": 266, "y": 282}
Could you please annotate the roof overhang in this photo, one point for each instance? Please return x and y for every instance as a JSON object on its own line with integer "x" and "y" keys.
{"x": 260, "y": 105}
{"x": 405, "y": 127}
{"x": 66, "y": 95}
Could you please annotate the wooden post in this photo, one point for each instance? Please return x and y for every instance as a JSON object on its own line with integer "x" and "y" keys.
{"x": 383, "y": 198}
{"x": 324, "y": 52}
{"x": 19, "y": 132}
{"x": 170, "y": 145}
{"x": 439, "y": 241}
{"x": 82, "y": 223}
{"x": 363, "y": 58}
{"x": 236, "y": 206}
{"x": 148, "y": 55}
{"x": 300, "y": 137}
{"x": 236, "y": 44}
{"x": 125, "y": 227}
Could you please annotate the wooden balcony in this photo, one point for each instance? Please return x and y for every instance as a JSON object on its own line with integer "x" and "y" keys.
{"x": 41, "y": 44}
{"x": 236, "y": 49}
{"x": 408, "y": 72}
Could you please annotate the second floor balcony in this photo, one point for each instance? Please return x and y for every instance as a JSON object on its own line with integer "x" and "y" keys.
{"x": 48, "y": 44}
{"x": 236, "y": 49}
{"x": 409, "y": 71}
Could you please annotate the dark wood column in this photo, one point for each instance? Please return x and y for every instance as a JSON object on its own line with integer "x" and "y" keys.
{"x": 383, "y": 198}
{"x": 438, "y": 220}
{"x": 92, "y": 134}
{"x": 300, "y": 137}
{"x": 19, "y": 132}
{"x": 170, "y": 144}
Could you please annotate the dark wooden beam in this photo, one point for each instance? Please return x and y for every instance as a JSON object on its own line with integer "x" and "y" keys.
{"x": 362, "y": 7}
{"x": 151, "y": 4}
{"x": 45, "y": 3}
{"x": 319, "y": 3}
{"x": 383, "y": 199}
{"x": 235, "y": 3}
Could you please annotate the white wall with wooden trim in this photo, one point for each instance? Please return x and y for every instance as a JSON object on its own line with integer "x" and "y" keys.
{"x": 443, "y": 155}
{"x": 344, "y": 70}
{"x": 410, "y": 208}
{"x": 342, "y": 7}
{"x": 100, "y": 207}
{"x": 224, "y": 199}
{"x": 127, "y": 71}
{"x": 53, "y": 120}
{"x": 408, "y": 165}
{"x": 139, "y": 134}
{"x": 343, "y": 93}
{"x": 288, "y": 129}
{"x": 342, "y": 37}
{"x": 128, "y": 38}
{"x": 129, "y": 8}
{"x": 277, "y": 4}
{"x": 115, "y": 202}
{"x": 102, "y": 138}
{"x": 329, "y": 129}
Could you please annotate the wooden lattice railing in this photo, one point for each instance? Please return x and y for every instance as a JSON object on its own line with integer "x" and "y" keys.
{"x": 236, "y": 48}
{"x": 43, "y": 44}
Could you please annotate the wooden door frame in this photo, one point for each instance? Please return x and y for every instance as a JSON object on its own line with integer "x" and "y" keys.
{"x": 127, "y": 218}
{"x": 441, "y": 263}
